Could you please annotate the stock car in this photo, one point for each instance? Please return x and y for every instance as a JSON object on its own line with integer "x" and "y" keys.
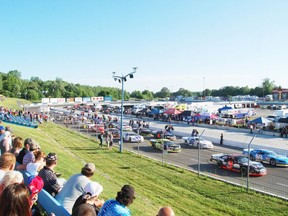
{"x": 132, "y": 137}
{"x": 164, "y": 134}
{"x": 165, "y": 144}
{"x": 195, "y": 140}
{"x": 267, "y": 156}
{"x": 143, "y": 131}
{"x": 238, "y": 163}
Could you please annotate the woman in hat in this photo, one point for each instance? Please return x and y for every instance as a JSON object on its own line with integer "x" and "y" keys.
{"x": 92, "y": 192}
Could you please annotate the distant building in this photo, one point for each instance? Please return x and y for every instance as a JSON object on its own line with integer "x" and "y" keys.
{"x": 280, "y": 94}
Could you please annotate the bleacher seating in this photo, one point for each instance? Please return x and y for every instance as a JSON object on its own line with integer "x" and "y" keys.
{"x": 46, "y": 201}
{"x": 18, "y": 120}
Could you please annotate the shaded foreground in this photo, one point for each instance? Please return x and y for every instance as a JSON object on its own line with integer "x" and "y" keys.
{"x": 155, "y": 185}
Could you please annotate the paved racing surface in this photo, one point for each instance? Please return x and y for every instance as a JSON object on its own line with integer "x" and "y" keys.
{"x": 275, "y": 182}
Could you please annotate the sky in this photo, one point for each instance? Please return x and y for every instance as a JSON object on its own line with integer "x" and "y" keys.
{"x": 190, "y": 44}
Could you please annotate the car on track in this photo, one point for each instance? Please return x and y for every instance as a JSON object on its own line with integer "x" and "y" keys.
{"x": 239, "y": 163}
{"x": 267, "y": 156}
{"x": 143, "y": 131}
{"x": 165, "y": 144}
{"x": 133, "y": 137}
{"x": 118, "y": 126}
{"x": 195, "y": 141}
{"x": 164, "y": 134}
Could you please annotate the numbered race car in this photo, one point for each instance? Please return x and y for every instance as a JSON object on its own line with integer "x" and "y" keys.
{"x": 165, "y": 144}
{"x": 164, "y": 134}
{"x": 267, "y": 156}
{"x": 239, "y": 163}
{"x": 195, "y": 141}
{"x": 132, "y": 137}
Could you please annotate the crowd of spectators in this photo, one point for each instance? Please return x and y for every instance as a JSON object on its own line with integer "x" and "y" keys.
{"x": 79, "y": 195}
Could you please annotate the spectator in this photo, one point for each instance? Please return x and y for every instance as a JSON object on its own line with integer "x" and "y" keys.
{"x": 30, "y": 156}
{"x": 17, "y": 145}
{"x": 166, "y": 211}
{"x": 2, "y": 131}
{"x": 48, "y": 175}
{"x": 24, "y": 151}
{"x": 5, "y": 144}
{"x": 34, "y": 167}
{"x": 100, "y": 137}
{"x": 84, "y": 209}
{"x": 92, "y": 192}
{"x": 110, "y": 140}
{"x": 15, "y": 200}
{"x": 74, "y": 187}
{"x": 9, "y": 178}
{"x": 7, "y": 163}
{"x": 124, "y": 198}
{"x": 221, "y": 139}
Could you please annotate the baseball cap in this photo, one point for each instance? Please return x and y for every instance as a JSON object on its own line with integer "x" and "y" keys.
{"x": 2, "y": 128}
{"x": 94, "y": 188}
{"x": 52, "y": 157}
{"x": 90, "y": 166}
{"x": 27, "y": 141}
{"x": 33, "y": 145}
{"x": 35, "y": 184}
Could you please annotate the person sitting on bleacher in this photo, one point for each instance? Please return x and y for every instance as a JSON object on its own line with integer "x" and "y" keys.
{"x": 24, "y": 151}
{"x": 92, "y": 192}
{"x": 34, "y": 167}
{"x": 30, "y": 156}
{"x": 119, "y": 206}
{"x": 74, "y": 187}
{"x": 15, "y": 200}
{"x": 48, "y": 175}
{"x": 9, "y": 178}
{"x": 7, "y": 163}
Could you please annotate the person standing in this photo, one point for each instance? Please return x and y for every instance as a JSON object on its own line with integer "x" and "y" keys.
{"x": 100, "y": 137}
{"x": 221, "y": 139}
{"x": 110, "y": 140}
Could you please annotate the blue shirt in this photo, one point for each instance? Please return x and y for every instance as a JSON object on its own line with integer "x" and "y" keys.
{"x": 114, "y": 208}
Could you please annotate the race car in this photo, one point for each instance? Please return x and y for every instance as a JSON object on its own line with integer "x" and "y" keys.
{"x": 165, "y": 144}
{"x": 132, "y": 137}
{"x": 267, "y": 156}
{"x": 239, "y": 163}
{"x": 195, "y": 141}
{"x": 143, "y": 131}
{"x": 164, "y": 134}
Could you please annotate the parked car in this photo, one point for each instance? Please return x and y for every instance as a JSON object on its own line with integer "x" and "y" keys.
{"x": 164, "y": 134}
{"x": 195, "y": 141}
{"x": 165, "y": 144}
{"x": 267, "y": 156}
{"x": 132, "y": 137}
{"x": 239, "y": 163}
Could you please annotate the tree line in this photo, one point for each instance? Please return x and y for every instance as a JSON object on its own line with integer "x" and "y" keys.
{"x": 12, "y": 85}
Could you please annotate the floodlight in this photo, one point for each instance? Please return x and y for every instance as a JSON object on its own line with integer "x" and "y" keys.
{"x": 131, "y": 76}
{"x": 124, "y": 78}
{"x": 119, "y": 80}
{"x": 115, "y": 78}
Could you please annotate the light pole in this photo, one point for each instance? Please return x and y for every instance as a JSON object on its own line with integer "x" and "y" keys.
{"x": 122, "y": 79}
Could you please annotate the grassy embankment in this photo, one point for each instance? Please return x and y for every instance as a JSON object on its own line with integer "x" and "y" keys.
{"x": 155, "y": 185}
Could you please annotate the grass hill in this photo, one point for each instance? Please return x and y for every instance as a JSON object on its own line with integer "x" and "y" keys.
{"x": 155, "y": 185}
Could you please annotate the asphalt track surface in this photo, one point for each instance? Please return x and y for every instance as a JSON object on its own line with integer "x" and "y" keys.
{"x": 275, "y": 182}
